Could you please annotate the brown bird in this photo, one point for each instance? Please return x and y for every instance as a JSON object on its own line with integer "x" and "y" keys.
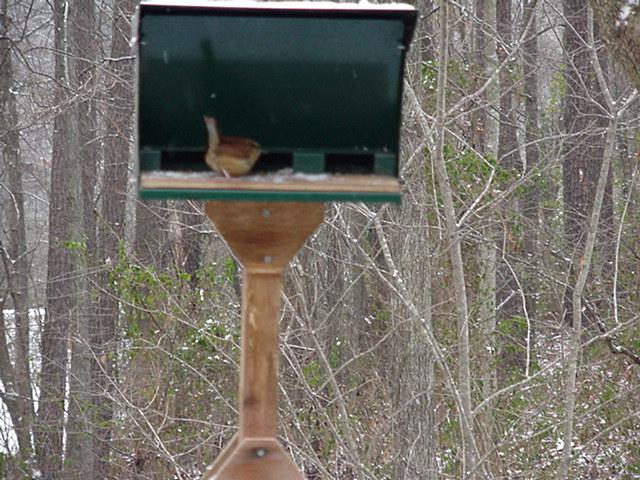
{"x": 231, "y": 156}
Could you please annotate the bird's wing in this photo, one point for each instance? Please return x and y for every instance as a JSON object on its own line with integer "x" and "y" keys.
{"x": 239, "y": 150}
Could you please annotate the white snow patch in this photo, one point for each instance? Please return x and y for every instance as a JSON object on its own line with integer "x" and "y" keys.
{"x": 182, "y": 174}
{"x": 311, "y": 177}
{"x": 248, "y": 4}
{"x": 283, "y": 175}
{"x": 9, "y": 441}
{"x": 626, "y": 11}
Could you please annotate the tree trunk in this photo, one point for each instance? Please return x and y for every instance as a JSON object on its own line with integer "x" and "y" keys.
{"x": 513, "y": 330}
{"x": 60, "y": 306}
{"x": 412, "y": 377}
{"x": 531, "y": 195}
{"x": 584, "y": 125}
{"x": 469, "y": 458}
{"x": 118, "y": 117}
{"x": 152, "y": 250}
{"x": 619, "y": 23}
{"x": 486, "y": 136}
{"x": 583, "y": 266}
{"x": 16, "y": 378}
{"x": 80, "y": 456}
{"x": 485, "y": 139}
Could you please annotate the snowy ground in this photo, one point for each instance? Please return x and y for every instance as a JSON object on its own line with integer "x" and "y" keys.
{"x": 36, "y": 316}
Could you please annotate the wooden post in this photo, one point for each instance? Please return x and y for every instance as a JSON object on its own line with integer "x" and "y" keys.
{"x": 264, "y": 236}
{"x": 260, "y": 354}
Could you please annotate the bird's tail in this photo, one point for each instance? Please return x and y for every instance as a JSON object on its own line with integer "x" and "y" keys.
{"x": 212, "y": 128}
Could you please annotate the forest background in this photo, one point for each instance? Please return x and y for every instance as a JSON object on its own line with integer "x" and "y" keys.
{"x": 486, "y": 328}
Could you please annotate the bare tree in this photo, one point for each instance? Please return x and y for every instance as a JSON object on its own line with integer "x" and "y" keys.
{"x": 469, "y": 465}
{"x": 118, "y": 118}
{"x": 530, "y": 198}
{"x": 619, "y": 22}
{"x": 584, "y": 125}
{"x": 407, "y": 239}
{"x": 67, "y": 248}
{"x": 15, "y": 370}
{"x": 81, "y": 66}
{"x": 586, "y": 255}
{"x": 513, "y": 329}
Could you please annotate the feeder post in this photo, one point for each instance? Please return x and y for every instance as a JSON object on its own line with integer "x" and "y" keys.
{"x": 263, "y": 236}
{"x": 260, "y": 354}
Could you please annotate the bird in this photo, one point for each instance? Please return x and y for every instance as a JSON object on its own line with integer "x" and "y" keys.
{"x": 231, "y": 156}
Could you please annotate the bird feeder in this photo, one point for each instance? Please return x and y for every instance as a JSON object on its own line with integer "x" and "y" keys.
{"x": 318, "y": 86}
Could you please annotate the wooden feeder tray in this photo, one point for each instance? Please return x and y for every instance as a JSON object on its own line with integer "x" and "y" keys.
{"x": 272, "y": 187}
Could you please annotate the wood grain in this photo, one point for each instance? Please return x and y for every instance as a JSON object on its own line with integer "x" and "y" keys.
{"x": 285, "y": 183}
{"x": 260, "y": 354}
{"x": 253, "y": 459}
{"x": 264, "y": 236}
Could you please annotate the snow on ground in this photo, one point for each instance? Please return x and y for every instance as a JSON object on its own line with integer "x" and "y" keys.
{"x": 625, "y": 12}
{"x": 8, "y": 441}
